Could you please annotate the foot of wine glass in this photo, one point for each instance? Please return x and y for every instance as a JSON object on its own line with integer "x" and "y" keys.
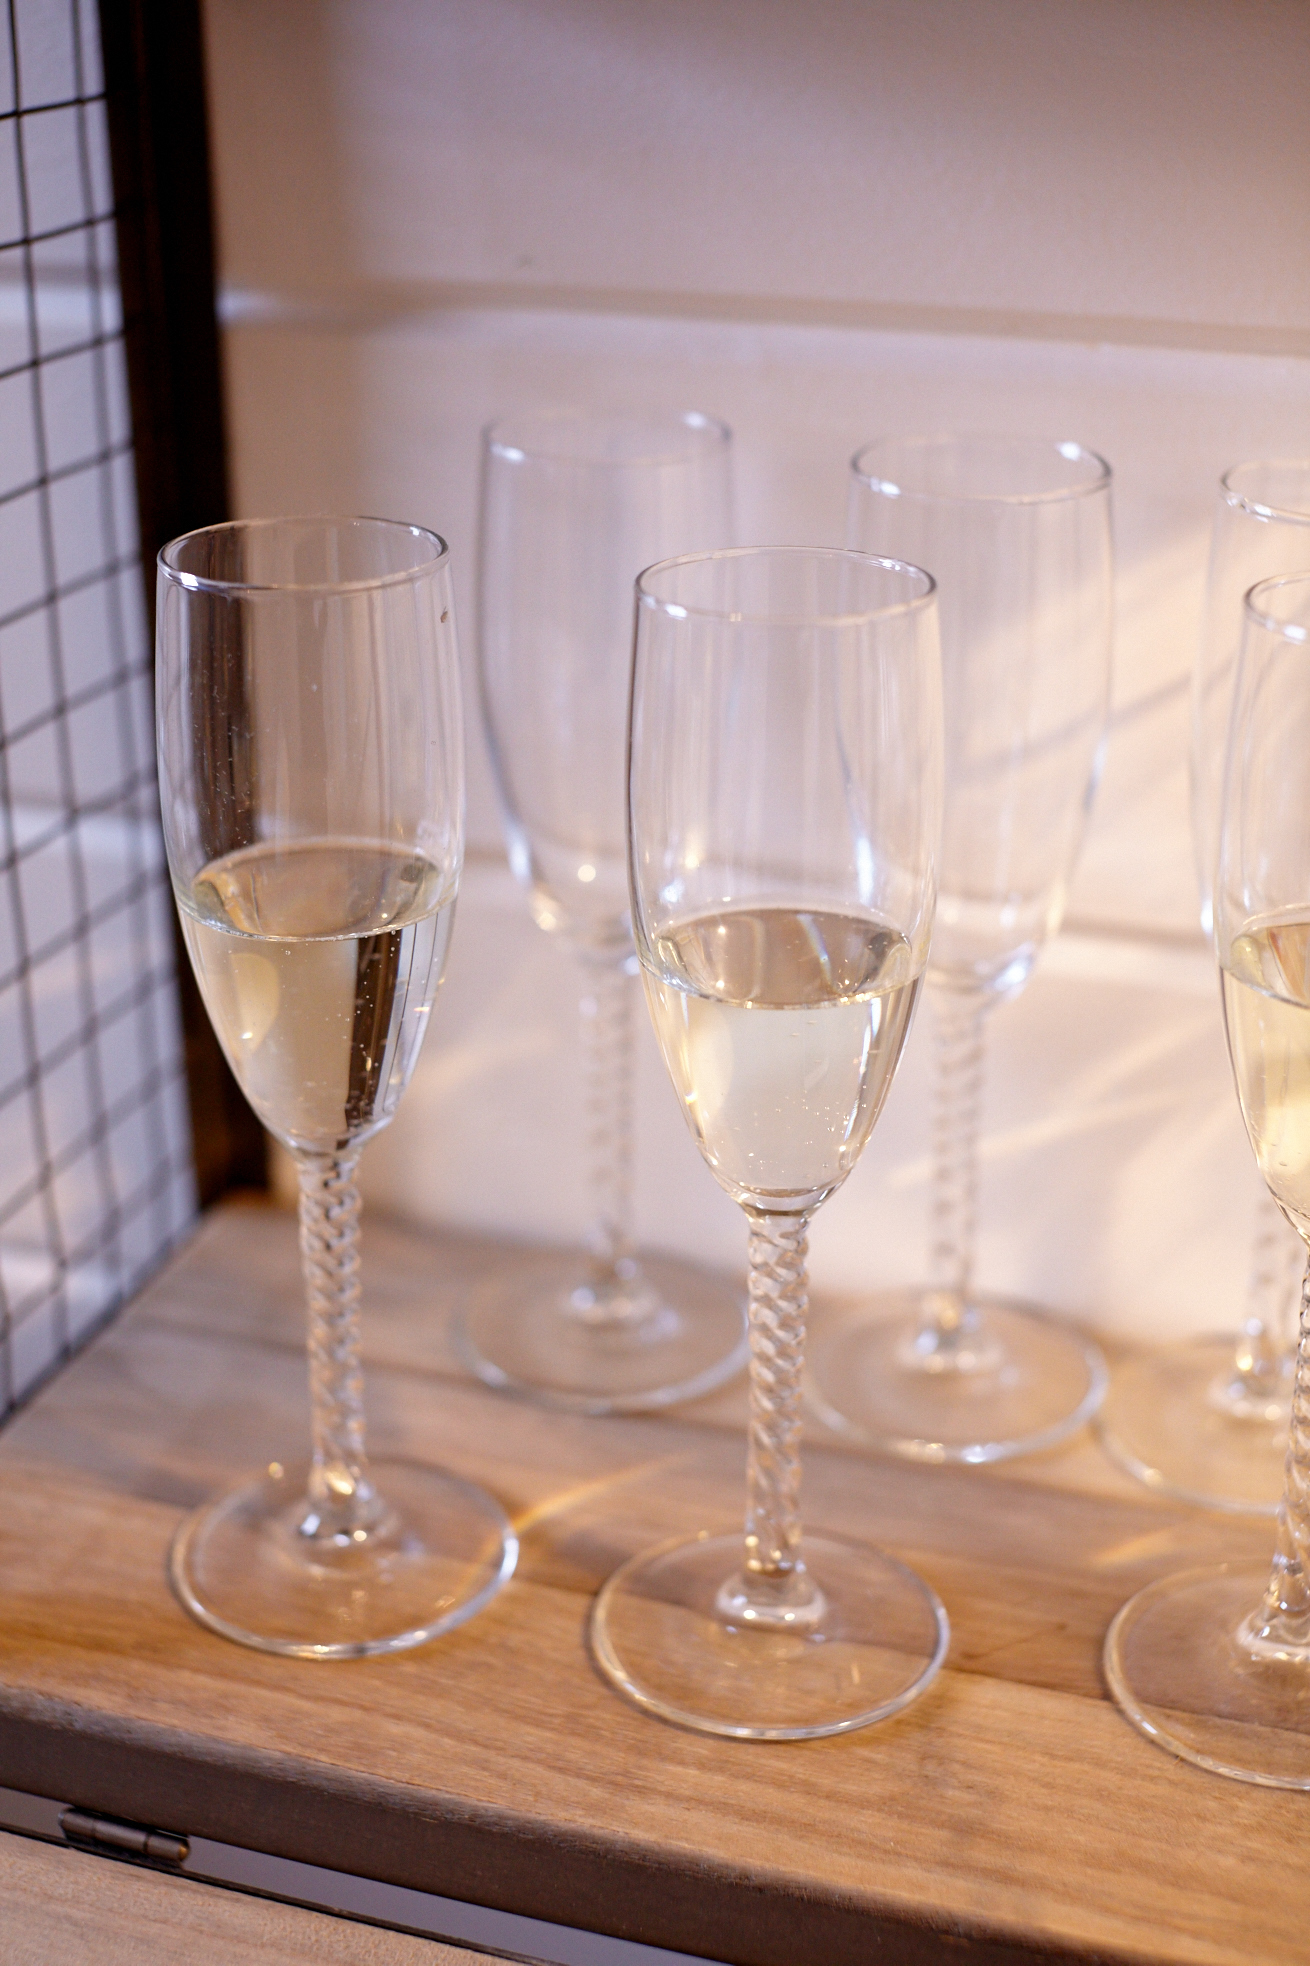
{"x": 346, "y": 1558}
{"x": 945, "y": 1373}
{"x": 1214, "y": 1665}
{"x": 606, "y": 1331}
{"x": 770, "y": 1638}
{"x": 1207, "y": 1421}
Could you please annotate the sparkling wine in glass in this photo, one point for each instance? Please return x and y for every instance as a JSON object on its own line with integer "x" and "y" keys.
{"x": 311, "y": 779}
{"x": 784, "y": 805}
{"x": 1207, "y": 1420}
{"x": 1214, "y": 1664}
{"x": 573, "y": 506}
{"x": 1016, "y": 532}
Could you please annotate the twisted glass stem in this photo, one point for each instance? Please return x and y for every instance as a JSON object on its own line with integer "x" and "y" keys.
{"x": 779, "y": 1300}
{"x": 772, "y": 1588}
{"x": 614, "y": 1293}
{"x": 1258, "y": 1383}
{"x": 342, "y": 1500}
{"x": 947, "y": 1318}
{"x": 1281, "y": 1627}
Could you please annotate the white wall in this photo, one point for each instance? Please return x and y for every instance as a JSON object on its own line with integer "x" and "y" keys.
{"x": 1083, "y": 217}
{"x": 1137, "y": 160}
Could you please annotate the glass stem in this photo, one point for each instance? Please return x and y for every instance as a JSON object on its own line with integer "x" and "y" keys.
{"x": 612, "y": 1294}
{"x": 342, "y": 1500}
{"x": 772, "y": 1587}
{"x": 1281, "y": 1627}
{"x": 1258, "y": 1383}
{"x": 948, "y": 1320}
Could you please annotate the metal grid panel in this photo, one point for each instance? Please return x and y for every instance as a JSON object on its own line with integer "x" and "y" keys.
{"x": 95, "y": 1161}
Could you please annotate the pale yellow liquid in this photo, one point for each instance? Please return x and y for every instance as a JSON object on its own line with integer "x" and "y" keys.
{"x": 781, "y": 1030}
{"x": 318, "y": 963}
{"x": 1267, "y": 1010}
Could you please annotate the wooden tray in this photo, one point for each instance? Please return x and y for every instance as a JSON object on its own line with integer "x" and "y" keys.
{"x": 1009, "y": 1815}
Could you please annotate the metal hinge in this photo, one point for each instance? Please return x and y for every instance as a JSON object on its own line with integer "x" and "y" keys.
{"x": 117, "y": 1839}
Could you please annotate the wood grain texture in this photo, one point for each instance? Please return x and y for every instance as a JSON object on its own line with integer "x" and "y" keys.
{"x": 63, "y": 1907}
{"x": 1009, "y": 1815}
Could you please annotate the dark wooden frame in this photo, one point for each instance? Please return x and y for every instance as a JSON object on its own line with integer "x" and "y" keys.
{"x": 158, "y": 134}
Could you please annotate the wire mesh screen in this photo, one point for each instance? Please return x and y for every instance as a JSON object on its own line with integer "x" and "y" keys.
{"x": 95, "y": 1160}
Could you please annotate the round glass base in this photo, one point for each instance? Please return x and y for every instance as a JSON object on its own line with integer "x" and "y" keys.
{"x": 243, "y": 1566}
{"x": 537, "y": 1329}
{"x": 1165, "y": 1420}
{"x": 665, "y": 1631}
{"x": 1177, "y": 1662}
{"x": 1026, "y": 1382}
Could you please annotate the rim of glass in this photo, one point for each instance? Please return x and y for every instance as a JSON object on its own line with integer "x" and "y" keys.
{"x": 204, "y": 584}
{"x": 1255, "y": 606}
{"x": 1261, "y": 508}
{"x": 681, "y": 610}
{"x": 497, "y": 436}
{"x": 1065, "y": 447}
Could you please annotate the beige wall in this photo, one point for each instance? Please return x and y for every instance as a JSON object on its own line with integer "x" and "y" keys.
{"x": 1079, "y": 161}
{"x": 1085, "y": 217}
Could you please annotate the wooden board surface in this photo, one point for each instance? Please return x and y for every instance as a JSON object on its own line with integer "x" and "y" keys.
{"x": 1010, "y": 1814}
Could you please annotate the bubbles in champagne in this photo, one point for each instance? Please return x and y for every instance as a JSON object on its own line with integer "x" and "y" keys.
{"x": 781, "y": 1029}
{"x": 1267, "y": 1012}
{"x": 318, "y": 962}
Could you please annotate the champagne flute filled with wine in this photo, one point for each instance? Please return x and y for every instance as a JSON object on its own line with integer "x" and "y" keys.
{"x": 783, "y": 808}
{"x": 1207, "y": 1420}
{"x": 1215, "y": 1664}
{"x": 574, "y": 505}
{"x": 311, "y": 779}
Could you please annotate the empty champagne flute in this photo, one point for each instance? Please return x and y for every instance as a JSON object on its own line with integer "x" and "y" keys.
{"x": 1016, "y": 532}
{"x": 573, "y": 507}
{"x": 311, "y": 779}
{"x": 1207, "y": 1420}
{"x": 784, "y": 806}
{"x": 1214, "y": 1664}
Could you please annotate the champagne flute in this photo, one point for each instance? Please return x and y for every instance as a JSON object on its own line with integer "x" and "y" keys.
{"x": 311, "y": 779}
{"x": 1016, "y": 531}
{"x": 573, "y": 506}
{"x": 784, "y": 806}
{"x": 1214, "y": 1664}
{"x": 1207, "y": 1421}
